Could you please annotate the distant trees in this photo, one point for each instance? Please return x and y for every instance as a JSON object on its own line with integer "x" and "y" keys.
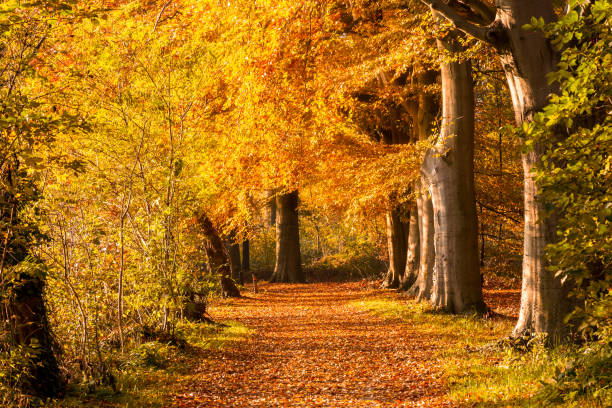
{"x": 218, "y": 257}
{"x": 288, "y": 265}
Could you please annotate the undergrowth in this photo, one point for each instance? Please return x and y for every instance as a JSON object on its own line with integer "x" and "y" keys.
{"x": 146, "y": 372}
{"x": 340, "y": 267}
{"x": 481, "y": 371}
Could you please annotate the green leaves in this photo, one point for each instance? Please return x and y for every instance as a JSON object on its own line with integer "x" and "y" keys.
{"x": 536, "y": 23}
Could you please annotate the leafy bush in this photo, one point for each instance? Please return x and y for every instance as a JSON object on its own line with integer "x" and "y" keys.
{"x": 589, "y": 374}
{"x": 14, "y": 379}
{"x": 340, "y": 266}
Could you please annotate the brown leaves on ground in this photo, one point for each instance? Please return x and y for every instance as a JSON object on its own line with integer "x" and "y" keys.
{"x": 311, "y": 348}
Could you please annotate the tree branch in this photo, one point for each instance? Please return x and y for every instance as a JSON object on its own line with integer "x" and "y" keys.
{"x": 486, "y": 13}
{"x": 493, "y": 210}
{"x": 160, "y": 14}
{"x": 458, "y": 20}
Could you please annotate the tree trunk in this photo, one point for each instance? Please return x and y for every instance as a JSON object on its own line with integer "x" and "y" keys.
{"x": 527, "y": 58}
{"x": 26, "y": 314}
{"x": 233, "y": 250}
{"x": 22, "y": 306}
{"x": 246, "y": 261}
{"x": 218, "y": 257}
{"x": 421, "y": 288}
{"x": 427, "y": 110}
{"x": 411, "y": 270}
{"x": 288, "y": 266}
{"x": 271, "y": 208}
{"x": 457, "y": 286}
{"x": 397, "y": 242}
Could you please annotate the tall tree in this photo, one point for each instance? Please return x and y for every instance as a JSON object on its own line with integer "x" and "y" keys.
{"x": 527, "y": 59}
{"x": 246, "y": 260}
{"x": 288, "y": 266}
{"x": 422, "y": 286}
{"x": 449, "y": 166}
{"x": 397, "y": 243}
{"x": 233, "y": 249}
{"x": 427, "y": 112}
{"x": 412, "y": 253}
{"x": 22, "y": 284}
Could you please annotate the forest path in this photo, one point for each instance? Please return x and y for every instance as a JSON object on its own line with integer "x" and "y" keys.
{"x": 314, "y": 347}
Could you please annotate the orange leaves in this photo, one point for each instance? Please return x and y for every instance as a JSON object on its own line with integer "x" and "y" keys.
{"x": 313, "y": 349}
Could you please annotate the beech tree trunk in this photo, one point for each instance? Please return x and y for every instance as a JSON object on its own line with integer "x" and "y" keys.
{"x": 288, "y": 267}
{"x": 218, "y": 257}
{"x": 527, "y": 57}
{"x": 26, "y": 314}
{"x": 233, "y": 250}
{"x": 246, "y": 261}
{"x": 457, "y": 286}
{"x": 397, "y": 242}
{"x": 411, "y": 270}
{"x": 427, "y": 111}
{"x": 421, "y": 288}
{"x": 271, "y": 208}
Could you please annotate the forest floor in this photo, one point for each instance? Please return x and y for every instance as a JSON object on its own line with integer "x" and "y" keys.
{"x": 341, "y": 344}
{"x": 332, "y": 345}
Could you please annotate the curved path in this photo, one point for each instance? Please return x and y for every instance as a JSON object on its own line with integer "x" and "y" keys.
{"x": 313, "y": 347}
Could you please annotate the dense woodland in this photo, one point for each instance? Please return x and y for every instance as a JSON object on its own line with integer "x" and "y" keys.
{"x": 160, "y": 158}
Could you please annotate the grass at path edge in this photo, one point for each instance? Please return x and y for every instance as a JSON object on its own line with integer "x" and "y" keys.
{"x": 478, "y": 373}
{"x": 147, "y": 372}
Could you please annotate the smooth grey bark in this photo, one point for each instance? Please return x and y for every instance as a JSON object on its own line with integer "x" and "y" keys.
{"x": 397, "y": 243}
{"x": 449, "y": 165}
{"x": 527, "y": 58}
{"x": 288, "y": 267}
{"x": 427, "y": 111}
{"x": 421, "y": 288}
{"x": 411, "y": 270}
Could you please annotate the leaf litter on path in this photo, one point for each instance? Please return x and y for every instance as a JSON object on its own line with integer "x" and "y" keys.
{"x": 312, "y": 348}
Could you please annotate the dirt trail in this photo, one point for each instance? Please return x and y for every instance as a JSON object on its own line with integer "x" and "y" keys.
{"x": 311, "y": 347}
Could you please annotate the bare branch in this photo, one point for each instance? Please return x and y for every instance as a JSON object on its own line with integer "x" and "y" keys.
{"x": 481, "y": 9}
{"x": 160, "y": 14}
{"x": 498, "y": 212}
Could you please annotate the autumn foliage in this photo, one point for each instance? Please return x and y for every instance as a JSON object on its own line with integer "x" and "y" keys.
{"x": 158, "y": 157}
